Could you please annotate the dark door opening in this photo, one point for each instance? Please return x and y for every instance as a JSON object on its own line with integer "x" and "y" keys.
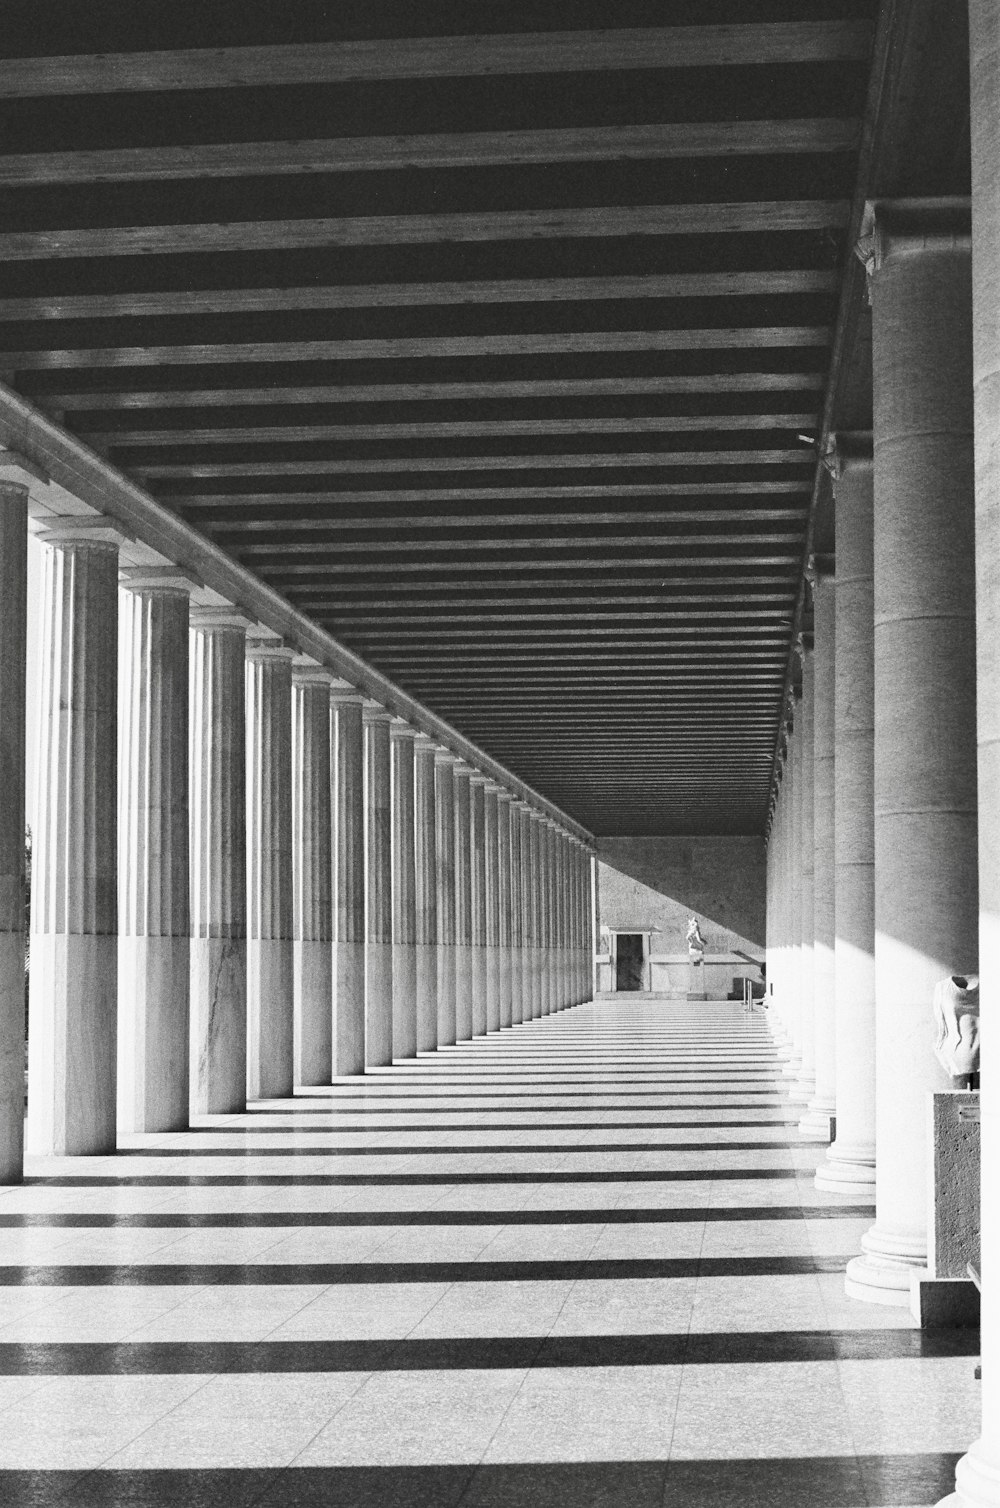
{"x": 628, "y": 967}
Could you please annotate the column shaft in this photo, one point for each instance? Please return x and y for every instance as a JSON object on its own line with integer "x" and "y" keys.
{"x": 349, "y": 897}
{"x": 805, "y": 1084}
{"x": 537, "y": 930}
{"x": 463, "y": 905}
{"x": 444, "y": 783}
{"x": 378, "y": 871}
{"x": 425, "y": 865}
{"x": 13, "y": 652}
{"x": 506, "y": 975}
{"x": 817, "y": 1120}
{"x": 312, "y": 874}
{"x": 490, "y": 823}
{"x": 523, "y": 813}
{"x": 516, "y": 944}
{"x": 477, "y": 818}
{"x": 404, "y": 896}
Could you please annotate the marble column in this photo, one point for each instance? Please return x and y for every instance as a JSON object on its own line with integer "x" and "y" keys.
{"x": 404, "y": 894}
{"x": 794, "y": 972}
{"x": 425, "y": 865}
{"x": 490, "y": 823}
{"x": 154, "y": 946}
{"x": 805, "y": 1084}
{"x": 506, "y": 969}
{"x": 463, "y": 903}
{"x": 523, "y": 817}
{"x": 850, "y": 1163}
{"x": 516, "y": 945}
{"x": 477, "y": 820}
{"x": 818, "y": 1119}
{"x": 312, "y": 873}
{"x": 977, "y": 1475}
{"x": 537, "y": 920}
{"x": 926, "y": 878}
{"x": 378, "y": 874}
{"x": 218, "y": 861}
{"x": 13, "y": 653}
{"x": 563, "y": 892}
{"x": 270, "y": 934}
{"x": 349, "y": 888}
{"x": 444, "y": 787}
{"x": 72, "y": 1031}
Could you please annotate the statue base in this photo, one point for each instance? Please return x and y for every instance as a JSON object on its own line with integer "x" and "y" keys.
{"x": 696, "y": 980}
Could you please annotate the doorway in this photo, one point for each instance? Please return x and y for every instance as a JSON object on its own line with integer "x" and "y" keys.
{"x": 629, "y": 961}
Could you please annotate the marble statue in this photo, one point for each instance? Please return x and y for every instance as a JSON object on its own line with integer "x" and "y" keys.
{"x": 695, "y": 941}
{"x": 956, "y": 1016}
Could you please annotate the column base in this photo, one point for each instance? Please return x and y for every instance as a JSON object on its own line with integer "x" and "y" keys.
{"x": 313, "y": 1029}
{"x": 72, "y": 1057}
{"x": 848, "y": 1170}
{"x": 793, "y": 1066}
{"x": 378, "y": 1005}
{"x": 404, "y": 1000}
{"x": 218, "y": 1025}
{"x": 977, "y": 1479}
{"x": 154, "y": 981}
{"x": 348, "y": 1008}
{"x": 819, "y": 1120}
{"x": 803, "y": 1089}
{"x": 882, "y": 1274}
{"x": 270, "y": 1017}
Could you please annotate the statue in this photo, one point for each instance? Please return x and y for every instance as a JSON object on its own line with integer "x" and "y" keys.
{"x": 956, "y": 1015}
{"x": 695, "y": 941}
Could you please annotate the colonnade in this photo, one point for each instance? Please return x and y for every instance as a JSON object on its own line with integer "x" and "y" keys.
{"x": 246, "y": 875}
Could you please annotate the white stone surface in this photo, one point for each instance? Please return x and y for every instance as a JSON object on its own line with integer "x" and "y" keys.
{"x": 13, "y": 594}
{"x": 349, "y": 890}
{"x": 404, "y": 896}
{"x": 425, "y": 876}
{"x": 378, "y": 875}
{"x": 312, "y": 876}
{"x": 444, "y": 798}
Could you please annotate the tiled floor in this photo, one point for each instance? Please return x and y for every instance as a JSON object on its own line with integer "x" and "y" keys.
{"x": 582, "y": 1263}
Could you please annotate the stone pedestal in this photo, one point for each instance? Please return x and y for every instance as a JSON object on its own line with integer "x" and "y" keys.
{"x": 154, "y": 947}
{"x": 312, "y": 873}
{"x": 378, "y": 870}
{"x": 444, "y": 785}
{"x": 696, "y": 980}
{"x": 850, "y": 1164}
{"x": 349, "y": 890}
{"x": 425, "y": 867}
{"x": 492, "y": 869}
{"x": 506, "y": 961}
{"x": 72, "y": 1029}
{"x": 218, "y": 862}
{"x": 477, "y": 819}
{"x": 13, "y": 595}
{"x": 463, "y": 903}
{"x": 404, "y": 895}
{"x": 819, "y": 1116}
{"x": 926, "y": 903}
{"x": 270, "y": 941}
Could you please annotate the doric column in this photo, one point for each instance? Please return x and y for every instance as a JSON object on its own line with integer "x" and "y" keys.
{"x": 926, "y": 897}
{"x": 563, "y": 878}
{"x": 404, "y": 894}
{"x": 850, "y": 1164}
{"x": 516, "y": 945}
{"x": 477, "y": 819}
{"x": 72, "y": 1041}
{"x": 270, "y": 937}
{"x": 312, "y": 872}
{"x": 378, "y": 872}
{"x": 794, "y": 968}
{"x": 349, "y": 889}
{"x": 492, "y": 909}
{"x": 521, "y": 812}
{"x": 13, "y": 652}
{"x": 463, "y": 903}
{"x": 536, "y": 879}
{"x": 218, "y": 861}
{"x": 822, "y": 1107}
{"x": 444, "y": 785}
{"x": 425, "y": 865}
{"x": 506, "y": 978}
{"x": 978, "y": 1472}
{"x": 805, "y": 1083}
{"x": 154, "y": 947}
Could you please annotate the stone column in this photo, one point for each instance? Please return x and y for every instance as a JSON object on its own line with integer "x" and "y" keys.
{"x": 349, "y": 889}
{"x": 537, "y": 919}
{"x": 490, "y": 823}
{"x": 218, "y": 861}
{"x": 818, "y": 1119}
{"x": 463, "y": 904}
{"x": 523, "y": 817}
{"x": 404, "y": 894}
{"x": 425, "y": 864}
{"x": 270, "y": 941}
{"x": 978, "y": 1472}
{"x": 154, "y": 947}
{"x": 378, "y": 872}
{"x": 506, "y": 976}
{"x": 805, "y": 1085}
{"x": 794, "y": 971}
{"x": 72, "y": 1032}
{"x": 312, "y": 872}
{"x": 13, "y": 653}
{"x": 563, "y": 894}
{"x": 926, "y": 897}
{"x": 850, "y": 1164}
{"x": 477, "y": 819}
{"x": 444, "y": 786}
{"x": 516, "y": 945}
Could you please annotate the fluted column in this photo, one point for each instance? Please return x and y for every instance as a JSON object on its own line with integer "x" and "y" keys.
{"x": 349, "y": 890}
{"x": 506, "y": 978}
{"x": 850, "y": 1164}
{"x": 562, "y": 872}
{"x": 477, "y": 820}
{"x": 516, "y": 945}
{"x": 492, "y": 866}
{"x": 404, "y": 894}
{"x": 444, "y": 786}
{"x": 521, "y": 813}
{"x": 72, "y": 1039}
{"x": 805, "y": 1084}
{"x": 378, "y": 875}
{"x": 270, "y": 936}
{"x": 154, "y": 948}
{"x": 817, "y": 1120}
{"x": 13, "y": 651}
{"x": 794, "y": 970}
{"x": 537, "y": 921}
{"x": 926, "y": 891}
{"x": 218, "y": 861}
{"x": 463, "y": 903}
{"x": 425, "y": 864}
{"x": 312, "y": 873}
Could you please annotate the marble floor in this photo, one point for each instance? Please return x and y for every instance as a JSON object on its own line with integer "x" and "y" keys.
{"x": 579, "y": 1263}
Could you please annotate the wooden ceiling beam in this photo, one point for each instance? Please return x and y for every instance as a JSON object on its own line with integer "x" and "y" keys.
{"x": 572, "y": 460}
{"x": 335, "y": 498}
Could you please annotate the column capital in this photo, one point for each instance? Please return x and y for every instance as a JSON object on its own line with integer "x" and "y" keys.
{"x": 343, "y": 695}
{"x": 402, "y": 729}
{"x": 309, "y": 672}
{"x": 375, "y": 714}
{"x": 901, "y": 227}
{"x": 155, "y": 579}
{"x": 85, "y": 529}
{"x": 478, "y": 778}
{"x": 444, "y": 756}
{"x": 205, "y": 619}
{"x": 848, "y": 450}
{"x": 11, "y": 488}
